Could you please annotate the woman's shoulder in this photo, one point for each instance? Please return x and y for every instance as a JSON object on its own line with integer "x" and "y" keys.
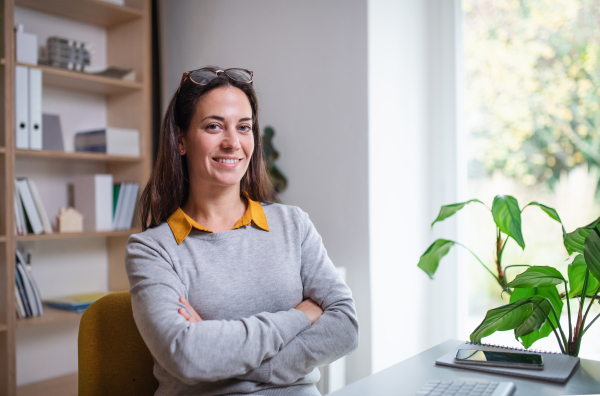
{"x": 152, "y": 236}
{"x": 287, "y": 214}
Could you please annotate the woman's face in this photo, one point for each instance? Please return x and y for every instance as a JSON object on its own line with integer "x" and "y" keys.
{"x": 219, "y": 142}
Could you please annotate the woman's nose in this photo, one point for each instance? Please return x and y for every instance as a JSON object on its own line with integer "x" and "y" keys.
{"x": 230, "y": 140}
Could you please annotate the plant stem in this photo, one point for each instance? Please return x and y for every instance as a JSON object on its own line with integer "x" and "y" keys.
{"x": 474, "y": 255}
{"x": 558, "y": 323}
{"x": 560, "y": 344}
{"x": 499, "y": 250}
{"x": 591, "y": 323}
{"x": 568, "y": 311}
{"x": 588, "y": 311}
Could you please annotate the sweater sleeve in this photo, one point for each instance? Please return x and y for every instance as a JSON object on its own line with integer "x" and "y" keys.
{"x": 332, "y": 336}
{"x": 210, "y": 350}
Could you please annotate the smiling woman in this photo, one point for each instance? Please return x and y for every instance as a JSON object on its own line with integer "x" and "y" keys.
{"x": 233, "y": 294}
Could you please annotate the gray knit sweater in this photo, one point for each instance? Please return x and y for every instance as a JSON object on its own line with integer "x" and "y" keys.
{"x": 244, "y": 283}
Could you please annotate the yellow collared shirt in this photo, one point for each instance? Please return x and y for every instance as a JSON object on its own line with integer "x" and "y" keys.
{"x": 181, "y": 224}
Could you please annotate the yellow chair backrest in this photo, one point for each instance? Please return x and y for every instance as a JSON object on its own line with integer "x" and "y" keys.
{"x": 113, "y": 358}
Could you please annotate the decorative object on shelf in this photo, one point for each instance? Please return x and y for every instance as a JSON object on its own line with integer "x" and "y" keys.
{"x": 27, "y": 48}
{"x": 52, "y": 136}
{"x": 69, "y": 220}
{"x": 277, "y": 178}
{"x": 535, "y": 302}
{"x": 68, "y": 54}
{"x": 111, "y": 141}
{"x": 113, "y": 72}
{"x": 28, "y": 108}
{"x": 76, "y": 302}
{"x": 94, "y": 199}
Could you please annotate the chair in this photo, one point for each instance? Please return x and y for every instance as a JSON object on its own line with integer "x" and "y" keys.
{"x": 113, "y": 358}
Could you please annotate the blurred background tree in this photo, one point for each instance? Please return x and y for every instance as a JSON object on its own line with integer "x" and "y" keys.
{"x": 533, "y": 87}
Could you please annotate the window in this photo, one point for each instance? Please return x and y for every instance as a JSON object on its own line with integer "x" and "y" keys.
{"x": 532, "y": 103}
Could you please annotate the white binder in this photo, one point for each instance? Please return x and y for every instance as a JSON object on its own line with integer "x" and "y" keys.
{"x": 35, "y": 109}
{"x": 21, "y": 107}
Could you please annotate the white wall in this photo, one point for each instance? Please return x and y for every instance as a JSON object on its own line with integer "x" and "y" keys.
{"x": 413, "y": 170}
{"x": 310, "y": 65}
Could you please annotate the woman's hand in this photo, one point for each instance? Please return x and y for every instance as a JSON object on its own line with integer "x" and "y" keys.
{"x": 311, "y": 309}
{"x": 194, "y": 317}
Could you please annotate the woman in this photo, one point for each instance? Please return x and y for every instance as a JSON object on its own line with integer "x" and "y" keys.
{"x": 232, "y": 294}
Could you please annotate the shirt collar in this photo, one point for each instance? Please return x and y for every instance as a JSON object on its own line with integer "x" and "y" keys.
{"x": 181, "y": 224}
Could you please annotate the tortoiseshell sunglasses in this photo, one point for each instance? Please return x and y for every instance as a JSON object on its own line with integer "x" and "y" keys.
{"x": 204, "y": 76}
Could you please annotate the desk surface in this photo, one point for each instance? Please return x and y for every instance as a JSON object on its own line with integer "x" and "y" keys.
{"x": 407, "y": 377}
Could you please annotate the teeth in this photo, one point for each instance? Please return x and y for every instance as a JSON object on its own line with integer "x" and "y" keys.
{"x": 228, "y": 161}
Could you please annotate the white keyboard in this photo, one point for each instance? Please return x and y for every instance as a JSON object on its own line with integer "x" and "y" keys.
{"x": 464, "y": 388}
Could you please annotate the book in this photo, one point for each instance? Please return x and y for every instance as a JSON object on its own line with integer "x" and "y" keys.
{"x": 19, "y": 227}
{"x": 19, "y": 305}
{"x": 30, "y": 295}
{"x": 28, "y": 203}
{"x": 37, "y": 297}
{"x": 22, "y": 292}
{"x": 130, "y": 208}
{"x": 40, "y": 207}
{"x": 94, "y": 199}
{"x": 75, "y": 302}
{"x": 557, "y": 367}
{"x": 119, "y": 190}
{"x": 111, "y": 141}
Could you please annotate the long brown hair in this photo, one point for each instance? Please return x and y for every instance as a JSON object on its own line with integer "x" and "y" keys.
{"x": 169, "y": 184}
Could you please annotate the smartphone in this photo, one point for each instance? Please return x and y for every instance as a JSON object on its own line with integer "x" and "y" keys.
{"x": 500, "y": 359}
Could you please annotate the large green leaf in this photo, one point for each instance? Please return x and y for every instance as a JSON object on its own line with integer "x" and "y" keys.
{"x": 551, "y": 293}
{"x": 448, "y": 210}
{"x": 591, "y": 253}
{"x": 573, "y": 241}
{"x": 542, "y": 276}
{"x": 430, "y": 260}
{"x": 550, "y": 212}
{"x": 512, "y": 316}
{"x": 507, "y": 217}
{"x": 577, "y": 276}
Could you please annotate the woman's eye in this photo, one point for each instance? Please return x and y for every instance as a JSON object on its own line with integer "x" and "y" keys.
{"x": 212, "y": 127}
{"x": 245, "y": 128}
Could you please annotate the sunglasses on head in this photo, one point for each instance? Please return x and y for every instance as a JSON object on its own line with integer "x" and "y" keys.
{"x": 204, "y": 76}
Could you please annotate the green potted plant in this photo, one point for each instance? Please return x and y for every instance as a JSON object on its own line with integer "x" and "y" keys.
{"x": 535, "y": 303}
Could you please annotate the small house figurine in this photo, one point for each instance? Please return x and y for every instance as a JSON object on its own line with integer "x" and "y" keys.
{"x": 69, "y": 220}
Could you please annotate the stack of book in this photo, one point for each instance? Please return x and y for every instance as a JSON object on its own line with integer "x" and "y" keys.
{"x": 28, "y": 300}
{"x": 125, "y": 197}
{"x": 30, "y": 214}
{"x": 111, "y": 141}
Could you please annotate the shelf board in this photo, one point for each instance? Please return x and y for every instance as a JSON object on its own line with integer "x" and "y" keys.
{"x": 79, "y": 81}
{"x": 51, "y": 315}
{"x": 2, "y": 150}
{"x": 63, "y": 155}
{"x": 95, "y": 12}
{"x": 2, "y": 238}
{"x": 76, "y": 235}
{"x": 3, "y": 327}
{"x": 65, "y": 385}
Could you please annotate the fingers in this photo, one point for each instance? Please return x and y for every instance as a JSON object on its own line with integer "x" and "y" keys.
{"x": 185, "y": 314}
{"x": 193, "y": 315}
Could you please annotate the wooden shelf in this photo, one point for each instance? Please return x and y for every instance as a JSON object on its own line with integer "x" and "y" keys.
{"x": 2, "y": 150}
{"x": 65, "y": 385}
{"x": 79, "y": 81}
{"x": 2, "y": 238}
{"x": 75, "y": 235}
{"x": 79, "y": 156}
{"x": 51, "y": 315}
{"x": 95, "y": 12}
{"x": 3, "y": 327}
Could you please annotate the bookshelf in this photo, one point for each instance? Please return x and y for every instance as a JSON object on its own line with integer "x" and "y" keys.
{"x": 126, "y": 104}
